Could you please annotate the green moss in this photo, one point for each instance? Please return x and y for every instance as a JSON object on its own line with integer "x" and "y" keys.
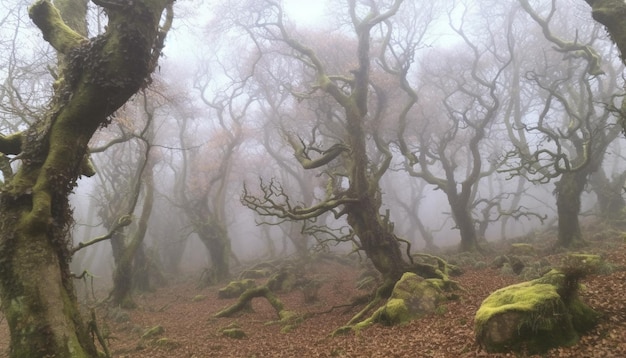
{"x": 533, "y": 316}
{"x": 198, "y": 298}
{"x": 235, "y": 288}
{"x": 153, "y": 332}
{"x": 167, "y": 343}
{"x": 234, "y": 333}
{"x": 522, "y": 249}
{"x": 587, "y": 263}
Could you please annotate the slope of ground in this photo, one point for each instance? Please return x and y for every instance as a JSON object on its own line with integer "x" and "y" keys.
{"x": 189, "y": 329}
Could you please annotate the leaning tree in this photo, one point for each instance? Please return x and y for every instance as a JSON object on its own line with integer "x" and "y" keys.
{"x": 95, "y": 77}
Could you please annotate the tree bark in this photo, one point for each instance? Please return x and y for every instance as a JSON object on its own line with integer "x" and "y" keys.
{"x": 611, "y": 204}
{"x": 36, "y": 288}
{"x": 610, "y": 13}
{"x": 568, "y": 191}
{"x": 465, "y": 223}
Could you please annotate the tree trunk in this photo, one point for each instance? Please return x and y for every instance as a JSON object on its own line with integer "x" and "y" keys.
{"x": 610, "y": 204}
{"x": 465, "y": 223}
{"x": 214, "y": 236}
{"x": 568, "y": 191}
{"x": 36, "y": 288}
{"x": 376, "y": 237}
{"x": 121, "y": 294}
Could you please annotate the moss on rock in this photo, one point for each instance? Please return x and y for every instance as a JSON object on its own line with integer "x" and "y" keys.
{"x": 235, "y": 288}
{"x": 412, "y": 297}
{"x": 234, "y": 333}
{"x": 533, "y": 316}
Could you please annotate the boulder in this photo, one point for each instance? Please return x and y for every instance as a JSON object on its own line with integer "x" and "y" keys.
{"x": 533, "y": 316}
{"x": 412, "y": 297}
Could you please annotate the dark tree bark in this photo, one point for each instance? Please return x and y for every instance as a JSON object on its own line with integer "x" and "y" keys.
{"x": 568, "y": 191}
{"x": 37, "y": 292}
{"x": 610, "y": 13}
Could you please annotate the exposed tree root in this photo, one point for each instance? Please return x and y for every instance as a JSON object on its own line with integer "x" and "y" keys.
{"x": 262, "y": 291}
{"x": 433, "y": 267}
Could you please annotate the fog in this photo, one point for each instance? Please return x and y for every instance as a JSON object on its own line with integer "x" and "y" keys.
{"x": 471, "y": 110}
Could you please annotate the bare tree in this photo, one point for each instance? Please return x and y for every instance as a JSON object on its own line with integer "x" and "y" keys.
{"x": 444, "y": 144}
{"x": 573, "y": 123}
{"x": 355, "y": 143}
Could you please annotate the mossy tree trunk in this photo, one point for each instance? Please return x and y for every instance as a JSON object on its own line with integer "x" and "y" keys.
{"x": 610, "y": 13}
{"x": 37, "y": 292}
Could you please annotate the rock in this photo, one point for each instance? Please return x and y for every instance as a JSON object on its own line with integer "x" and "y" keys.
{"x": 412, "y": 297}
{"x": 235, "y": 333}
{"x": 533, "y": 316}
{"x": 235, "y": 288}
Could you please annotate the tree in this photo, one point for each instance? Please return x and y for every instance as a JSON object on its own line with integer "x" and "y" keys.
{"x": 96, "y": 78}
{"x": 573, "y": 122}
{"x": 361, "y": 200}
{"x": 125, "y": 172}
{"x": 610, "y": 14}
{"x": 460, "y": 102}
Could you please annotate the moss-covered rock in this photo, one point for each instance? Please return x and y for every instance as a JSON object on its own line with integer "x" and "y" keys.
{"x": 234, "y": 333}
{"x": 533, "y": 316}
{"x": 412, "y": 297}
{"x": 198, "y": 298}
{"x": 235, "y": 288}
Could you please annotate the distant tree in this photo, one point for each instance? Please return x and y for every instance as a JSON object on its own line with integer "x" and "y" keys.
{"x": 126, "y": 184}
{"x": 94, "y": 79}
{"x": 573, "y": 122}
{"x": 457, "y": 102}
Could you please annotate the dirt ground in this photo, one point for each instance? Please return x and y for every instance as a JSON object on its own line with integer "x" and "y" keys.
{"x": 189, "y": 329}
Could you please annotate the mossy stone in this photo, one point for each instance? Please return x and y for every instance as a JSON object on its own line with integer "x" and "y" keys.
{"x": 532, "y": 317}
{"x": 235, "y": 288}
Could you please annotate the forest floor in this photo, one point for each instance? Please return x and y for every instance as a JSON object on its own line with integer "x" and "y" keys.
{"x": 186, "y": 315}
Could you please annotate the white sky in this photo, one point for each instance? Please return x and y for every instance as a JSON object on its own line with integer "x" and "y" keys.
{"x": 304, "y": 12}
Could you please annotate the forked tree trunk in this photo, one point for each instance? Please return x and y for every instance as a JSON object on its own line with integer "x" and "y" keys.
{"x": 36, "y": 288}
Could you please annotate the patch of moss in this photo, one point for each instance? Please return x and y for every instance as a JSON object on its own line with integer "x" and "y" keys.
{"x": 533, "y": 316}
{"x": 234, "y": 333}
{"x": 235, "y": 288}
{"x": 167, "y": 343}
{"x": 153, "y": 332}
{"x": 198, "y": 298}
{"x": 522, "y": 249}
